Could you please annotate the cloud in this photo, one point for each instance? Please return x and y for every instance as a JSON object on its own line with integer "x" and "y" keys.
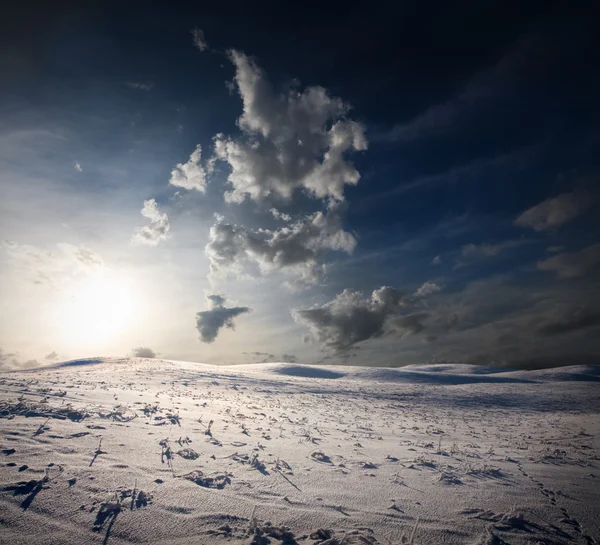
{"x": 144, "y": 352}
{"x": 476, "y": 252}
{"x": 294, "y": 140}
{"x": 158, "y": 229}
{"x": 575, "y": 320}
{"x": 573, "y": 264}
{"x": 78, "y": 167}
{"x": 51, "y": 356}
{"x": 350, "y": 318}
{"x": 410, "y": 324}
{"x": 199, "y": 39}
{"x": 296, "y": 247}
{"x": 437, "y": 260}
{"x": 140, "y": 86}
{"x": 427, "y": 288}
{"x": 209, "y": 322}
{"x": 10, "y": 362}
{"x": 44, "y": 266}
{"x": 555, "y": 212}
{"x": 280, "y": 215}
{"x": 190, "y": 175}
{"x": 482, "y": 250}
{"x": 506, "y": 78}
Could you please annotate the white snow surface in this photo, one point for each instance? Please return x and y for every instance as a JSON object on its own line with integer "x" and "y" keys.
{"x": 154, "y": 451}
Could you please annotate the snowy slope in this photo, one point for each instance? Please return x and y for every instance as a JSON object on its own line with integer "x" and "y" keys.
{"x": 153, "y": 451}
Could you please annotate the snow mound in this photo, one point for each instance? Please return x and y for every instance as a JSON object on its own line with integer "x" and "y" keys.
{"x": 570, "y": 373}
{"x": 306, "y": 371}
{"x": 456, "y": 369}
{"x": 431, "y": 376}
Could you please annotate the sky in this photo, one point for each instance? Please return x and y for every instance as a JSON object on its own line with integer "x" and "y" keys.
{"x": 234, "y": 184}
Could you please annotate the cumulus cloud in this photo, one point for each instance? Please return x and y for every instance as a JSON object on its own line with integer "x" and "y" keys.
{"x": 199, "y": 39}
{"x": 350, "y": 318}
{"x": 290, "y": 141}
{"x": 556, "y": 211}
{"x": 297, "y": 246}
{"x": 190, "y": 175}
{"x": 209, "y": 322}
{"x": 43, "y": 266}
{"x": 9, "y": 361}
{"x": 143, "y": 352}
{"x": 158, "y": 229}
{"x": 428, "y": 288}
{"x": 573, "y": 264}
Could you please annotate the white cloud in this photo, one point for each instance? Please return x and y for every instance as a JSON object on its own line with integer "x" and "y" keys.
{"x": 290, "y": 141}
{"x": 209, "y": 322}
{"x": 199, "y": 39}
{"x": 296, "y": 247}
{"x": 350, "y": 318}
{"x": 573, "y": 264}
{"x": 437, "y": 260}
{"x": 78, "y": 167}
{"x": 280, "y": 215}
{"x": 555, "y": 212}
{"x": 428, "y": 288}
{"x": 158, "y": 229}
{"x": 46, "y": 266}
{"x": 190, "y": 175}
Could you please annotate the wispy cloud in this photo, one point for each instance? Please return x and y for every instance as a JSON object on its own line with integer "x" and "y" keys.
{"x": 556, "y": 211}
{"x": 573, "y": 264}
{"x": 199, "y": 39}
{"x": 140, "y": 86}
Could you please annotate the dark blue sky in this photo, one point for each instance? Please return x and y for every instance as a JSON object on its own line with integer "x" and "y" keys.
{"x": 477, "y": 200}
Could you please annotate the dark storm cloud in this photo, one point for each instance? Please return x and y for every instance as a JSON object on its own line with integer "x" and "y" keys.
{"x": 351, "y": 318}
{"x": 410, "y": 324}
{"x": 209, "y": 322}
{"x": 576, "y": 320}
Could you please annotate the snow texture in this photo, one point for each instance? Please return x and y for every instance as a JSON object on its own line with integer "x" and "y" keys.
{"x": 152, "y": 451}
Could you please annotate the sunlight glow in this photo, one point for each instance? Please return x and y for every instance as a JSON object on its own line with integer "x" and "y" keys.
{"x": 99, "y": 309}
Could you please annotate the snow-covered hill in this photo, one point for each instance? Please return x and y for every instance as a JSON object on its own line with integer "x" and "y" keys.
{"x": 154, "y": 451}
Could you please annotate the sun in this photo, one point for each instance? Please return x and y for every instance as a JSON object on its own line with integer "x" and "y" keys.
{"x": 98, "y": 309}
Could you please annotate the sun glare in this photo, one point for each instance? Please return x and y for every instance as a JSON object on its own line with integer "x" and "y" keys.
{"x": 98, "y": 310}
